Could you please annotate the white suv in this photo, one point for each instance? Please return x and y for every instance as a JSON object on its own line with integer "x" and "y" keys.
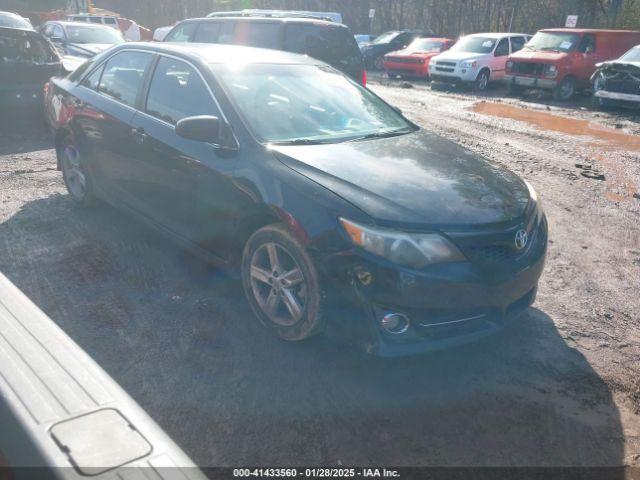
{"x": 476, "y": 59}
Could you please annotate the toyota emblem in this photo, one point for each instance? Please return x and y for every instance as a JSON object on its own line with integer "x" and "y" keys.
{"x": 522, "y": 237}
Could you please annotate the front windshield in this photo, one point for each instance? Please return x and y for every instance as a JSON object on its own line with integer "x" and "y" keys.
{"x": 106, "y": 35}
{"x": 311, "y": 103}
{"x": 425, "y": 45}
{"x": 632, "y": 55}
{"x": 554, "y": 41}
{"x": 385, "y": 37}
{"x": 474, "y": 45}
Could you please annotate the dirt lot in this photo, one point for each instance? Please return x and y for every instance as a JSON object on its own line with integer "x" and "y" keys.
{"x": 559, "y": 387}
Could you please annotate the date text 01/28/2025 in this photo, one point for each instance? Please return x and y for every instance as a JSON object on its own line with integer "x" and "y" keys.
{"x": 315, "y": 473}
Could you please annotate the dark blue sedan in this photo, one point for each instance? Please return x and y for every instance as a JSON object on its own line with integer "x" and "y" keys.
{"x": 338, "y": 213}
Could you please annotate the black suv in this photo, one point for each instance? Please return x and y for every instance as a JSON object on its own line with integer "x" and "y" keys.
{"x": 330, "y": 42}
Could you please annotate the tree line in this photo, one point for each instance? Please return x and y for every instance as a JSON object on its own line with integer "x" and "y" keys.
{"x": 452, "y": 17}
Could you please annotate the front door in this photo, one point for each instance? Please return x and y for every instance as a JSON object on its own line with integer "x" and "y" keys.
{"x": 184, "y": 185}
{"x": 499, "y": 60}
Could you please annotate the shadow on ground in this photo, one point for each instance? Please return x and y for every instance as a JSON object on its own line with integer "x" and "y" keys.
{"x": 23, "y": 131}
{"x": 180, "y": 338}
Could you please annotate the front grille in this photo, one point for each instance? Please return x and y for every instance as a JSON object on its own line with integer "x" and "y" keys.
{"x": 504, "y": 251}
{"x": 528, "y": 68}
{"x": 446, "y": 64}
{"x": 492, "y": 253}
{"x": 403, "y": 60}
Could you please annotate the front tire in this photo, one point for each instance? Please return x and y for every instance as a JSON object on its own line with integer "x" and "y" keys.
{"x": 566, "y": 90}
{"x": 281, "y": 284}
{"x": 482, "y": 81}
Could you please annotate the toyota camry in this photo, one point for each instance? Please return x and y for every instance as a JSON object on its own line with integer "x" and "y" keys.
{"x": 337, "y": 212}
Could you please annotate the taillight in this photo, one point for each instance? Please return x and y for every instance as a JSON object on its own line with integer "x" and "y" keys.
{"x": 364, "y": 77}
{"x": 46, "y": 89}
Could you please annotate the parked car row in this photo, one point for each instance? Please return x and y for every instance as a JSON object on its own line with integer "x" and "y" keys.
{"x": 563, "y": 60}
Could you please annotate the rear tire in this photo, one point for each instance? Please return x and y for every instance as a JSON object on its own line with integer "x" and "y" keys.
{"x": 282, "y": 284}
{"x": 75, "y": 174}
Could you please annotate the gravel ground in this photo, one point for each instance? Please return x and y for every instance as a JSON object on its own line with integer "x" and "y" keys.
{"x": 559, "y": 387}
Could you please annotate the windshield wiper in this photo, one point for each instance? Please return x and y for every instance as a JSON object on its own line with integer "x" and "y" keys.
{"x": 552, "y": 49}
{"x": 299, "y": 141}
{"x": 385, "y": 134}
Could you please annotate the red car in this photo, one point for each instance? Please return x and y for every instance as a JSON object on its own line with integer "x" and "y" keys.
{"x": 414, "y": 60}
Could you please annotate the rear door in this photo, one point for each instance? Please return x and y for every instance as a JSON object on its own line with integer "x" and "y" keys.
{"x": 333, "y": 44}
{"x": 181, "y": 184}
{"x": 103, "y": 114}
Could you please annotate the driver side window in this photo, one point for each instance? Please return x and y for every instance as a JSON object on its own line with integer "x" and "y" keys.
{"x": 588, "y": 44}
{"x": 503, "y": 48}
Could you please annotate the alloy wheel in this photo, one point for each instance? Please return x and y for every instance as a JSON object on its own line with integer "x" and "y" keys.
{"x": 278, "y": 284}
{"x": 73, "y": 174}
{"x": 482, "y": 81}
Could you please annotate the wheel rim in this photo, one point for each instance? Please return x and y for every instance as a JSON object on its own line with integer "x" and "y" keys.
{"x": 482, "y": 81}
{"x": 75, "y": 178}
{"x": 566, "y": 89}
{"x": 278, "y": 284}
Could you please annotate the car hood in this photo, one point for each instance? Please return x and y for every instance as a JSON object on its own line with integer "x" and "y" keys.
{"x": 407, "y": 52}
{"x": 87, "y": 49}
{"x": 417, "y": 179}
{"x": 632, "y": 67}
{"x": 460, "y": 56}
{"x": 539, "y": 56}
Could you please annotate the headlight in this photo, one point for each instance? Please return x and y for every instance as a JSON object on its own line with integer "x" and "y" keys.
{"x": 535, "y": 199}
{"x": 407, "y": 249}
{"x": 509, "y": 65}
{"x": 550, "y": 71}
{"x": 473, "y": 64}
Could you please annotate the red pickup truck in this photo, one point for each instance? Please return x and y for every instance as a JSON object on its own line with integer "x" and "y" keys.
{"x": 564, "y": 59}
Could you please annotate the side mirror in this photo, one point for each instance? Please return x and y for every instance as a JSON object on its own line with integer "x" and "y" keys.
{"x": 203, "y": 128}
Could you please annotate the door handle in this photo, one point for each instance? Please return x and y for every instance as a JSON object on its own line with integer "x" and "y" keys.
{"x": 139, "y": 135}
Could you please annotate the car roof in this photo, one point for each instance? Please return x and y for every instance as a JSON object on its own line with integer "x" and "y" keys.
{"x": 221, "y": 53}
{"x": 587, "y": 30}
{"x": 18, "y": 18}
{"x": 497, "y": 35}
{"x": 314, "y": 21}
{"x": 67, "y": 23}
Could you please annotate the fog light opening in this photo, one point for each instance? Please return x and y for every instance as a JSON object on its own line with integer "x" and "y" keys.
{"x": 395, "y": 323}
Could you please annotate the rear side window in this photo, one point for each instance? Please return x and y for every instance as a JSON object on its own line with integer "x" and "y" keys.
{"x": 181, "y": 33}
{"x": 207, "y": 32}
{"x": 93, "y": 81}
{"x": 110, "y": 21}
{"x": 258, "y": 34}
{"x": 334, "y": 45}
{"x": 122, "y": 76}
{"x": 177, "y": 91}
{"x": 95, "y": 20}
